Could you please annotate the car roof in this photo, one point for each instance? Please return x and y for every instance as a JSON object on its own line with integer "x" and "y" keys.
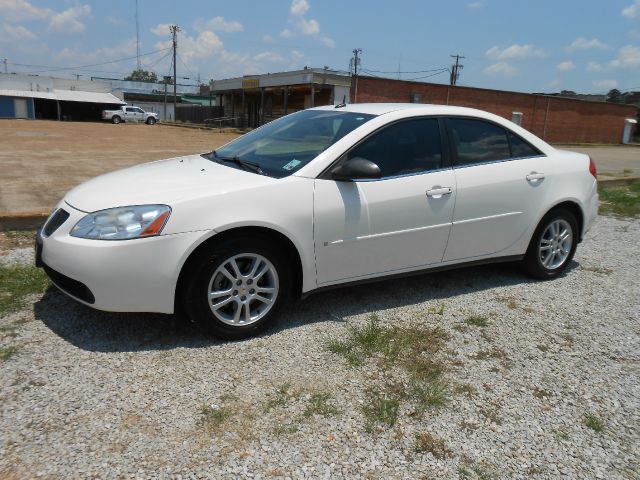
{"x": 427, "y": 109}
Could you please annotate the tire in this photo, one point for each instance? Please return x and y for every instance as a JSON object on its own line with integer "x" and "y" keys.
{"x": 549, "y": 254}
{"x": 229, "y": 320}
{"x": 151, "y": 121}
{"x": 116, "y": 120}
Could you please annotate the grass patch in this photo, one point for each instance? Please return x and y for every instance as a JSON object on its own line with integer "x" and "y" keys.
{"x": 594, "y": 422}
{"x": 620, "y": 200}
{"x": 439, "y": 310}
{"x": 599, "y": 270}
{"x": 319, "y": 405}
{"x": 213, "y": 417}
{"x": 381, "y": 408}
{"x": 406, "y": 353}
{"x": 18, "y": 281}
{"x": 7, "y": 352}
{"x": 425, "y": 442}
{"x": 430, "y": 394}
{"x": 477, "y": 321}
{"x": 281, "y": 397}
{"x": 284, "y": 429}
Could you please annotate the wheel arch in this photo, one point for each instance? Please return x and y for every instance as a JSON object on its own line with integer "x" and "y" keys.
{"x": 575, "y": 208}
{"x": 264, "y": 233}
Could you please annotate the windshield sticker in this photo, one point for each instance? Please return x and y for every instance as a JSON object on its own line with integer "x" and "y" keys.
{"x": 292, "y": 164}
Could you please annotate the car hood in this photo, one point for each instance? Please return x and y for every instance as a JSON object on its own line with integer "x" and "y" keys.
{"x": 163, "y": 182}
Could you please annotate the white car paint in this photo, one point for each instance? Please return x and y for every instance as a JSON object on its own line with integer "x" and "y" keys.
{"x": 342, "y": 231}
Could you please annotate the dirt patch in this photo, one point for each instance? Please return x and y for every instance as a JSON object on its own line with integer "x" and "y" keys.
{"x": 42, "y": 160}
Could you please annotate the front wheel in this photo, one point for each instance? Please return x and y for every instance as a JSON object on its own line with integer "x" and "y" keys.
{"x": 151, "y": 121}
{"x": 116, "y": 120}
{"x": 236, "y": 289}
{"x": 553, "y": 245}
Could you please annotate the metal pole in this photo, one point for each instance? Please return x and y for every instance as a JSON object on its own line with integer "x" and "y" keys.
{"x": 313, "y": 96}
{"x": 546, "y": 115}
{"x": 174, "y": 31}
{"x": 261, "y": 106}
{"x": 286, "y": 98}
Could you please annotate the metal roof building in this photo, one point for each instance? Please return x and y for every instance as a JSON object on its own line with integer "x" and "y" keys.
{"x": 33, "y": 96}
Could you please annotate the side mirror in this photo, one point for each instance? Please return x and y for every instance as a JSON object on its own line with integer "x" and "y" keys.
{"x": 355, "y": 169}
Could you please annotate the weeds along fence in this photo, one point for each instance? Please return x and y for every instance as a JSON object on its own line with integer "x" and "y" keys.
{"x": 197, "y": 113}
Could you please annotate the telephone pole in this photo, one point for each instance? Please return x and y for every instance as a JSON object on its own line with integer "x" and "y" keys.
{"x": 455, "y": 69}
{"x": 139, "y": 67}
{"x": 353, "y": 65}
{"x": 174, "y": 29}
{"x": 5, "y": 65}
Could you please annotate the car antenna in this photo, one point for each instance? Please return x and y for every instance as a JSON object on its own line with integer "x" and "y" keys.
{"x": 343, "y": 104}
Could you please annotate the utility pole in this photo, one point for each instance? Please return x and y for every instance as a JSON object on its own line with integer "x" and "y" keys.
{"x": 455, "y": 74}
{"x": 353, "y": 65}
{"x": 174, "y": 29}
{"x": 166, "y": 79}
{"x": 137, "y": 38}
{"x": 5, "y": 65}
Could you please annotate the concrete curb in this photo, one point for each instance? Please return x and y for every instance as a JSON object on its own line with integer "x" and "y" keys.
{"x": 22, "y": 220}
{"x": 34, "y": 220}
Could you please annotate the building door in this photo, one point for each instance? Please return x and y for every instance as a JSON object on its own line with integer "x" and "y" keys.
{"x": 20, "y": 108}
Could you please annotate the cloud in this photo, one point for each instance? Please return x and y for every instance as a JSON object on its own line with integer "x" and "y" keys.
{"x": 269, "y": 57}
{"x": 582, "y": 43}
{"x": 115, "y": 21}
{"x": 632, "y": 11}
{"x": 10, "y": 34}
{"x": 68, "y": 21}
{"x": 501, "y": 68}
{"x": 304, "y": 26}
{"x": 594, "y": 67}
{"x": 124, "y": 49}
{"x": 204, "y": 45}
{"x": 566, "y": 66}
{"x": 161, "y": 30}
{"x": 219, "y": 24}
{"x": 18, "y": 10}
{"x": 605, "y": 84}
{"x": 475, "y": 5}
{"x": 628, "y": 57}
{"x": 515, "y": 52}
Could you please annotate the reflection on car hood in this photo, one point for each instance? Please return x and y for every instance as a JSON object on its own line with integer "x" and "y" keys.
{"x": 162, "y": 182}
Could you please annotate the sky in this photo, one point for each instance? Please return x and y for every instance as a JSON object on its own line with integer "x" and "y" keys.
{"x": 588, "y": 46}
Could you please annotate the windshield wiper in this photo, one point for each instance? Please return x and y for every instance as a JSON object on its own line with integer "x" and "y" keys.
{"x": 246, "y": 164}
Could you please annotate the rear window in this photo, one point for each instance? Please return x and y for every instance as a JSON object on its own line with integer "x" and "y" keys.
{"x": 521, "y": 148}
{"x": 477, "y": 141}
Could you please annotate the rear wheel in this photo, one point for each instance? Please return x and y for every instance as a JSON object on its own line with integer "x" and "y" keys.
{"x": 116, "y": 119}
{"x": 151, "y": 121}
{"x": 236, "y": 288}
{"x": 553, "y": 245}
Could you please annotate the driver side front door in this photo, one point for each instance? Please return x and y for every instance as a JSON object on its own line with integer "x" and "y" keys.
{"x": 397, "y": 223}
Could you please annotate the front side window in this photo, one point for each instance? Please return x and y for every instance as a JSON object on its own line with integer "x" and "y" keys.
{"x": 477, "y": 141}
{"x": 139, "y": 110}
{"x": 285, "y": 145}
{"x": 404, "y": 148}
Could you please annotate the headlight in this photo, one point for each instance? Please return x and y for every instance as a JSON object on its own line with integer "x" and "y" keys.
{"x": 123, "y": 223}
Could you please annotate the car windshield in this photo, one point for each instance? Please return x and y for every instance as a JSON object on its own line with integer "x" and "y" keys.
{"x": 285, "y": 145}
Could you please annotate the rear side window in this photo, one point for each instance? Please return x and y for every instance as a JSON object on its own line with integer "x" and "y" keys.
{"x": 407, "y": 147}
{"x": 521, "y": 148}
{"x": 477, "y": 141}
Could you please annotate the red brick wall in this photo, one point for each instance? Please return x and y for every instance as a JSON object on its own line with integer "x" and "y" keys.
{"x": 551, "y": 118}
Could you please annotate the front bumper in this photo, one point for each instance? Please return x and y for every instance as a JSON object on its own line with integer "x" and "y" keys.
{"x": 138, "y": 275}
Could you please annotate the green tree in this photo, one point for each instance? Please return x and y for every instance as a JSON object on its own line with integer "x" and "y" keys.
{"x": 615, "y": 96}
{"x": 140, "y": 75}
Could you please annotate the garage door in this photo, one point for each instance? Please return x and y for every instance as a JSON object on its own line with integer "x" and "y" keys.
{"x": 20, "y": 107}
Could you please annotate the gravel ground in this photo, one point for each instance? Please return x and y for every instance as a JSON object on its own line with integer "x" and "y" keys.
{"x": 96, "y": 395}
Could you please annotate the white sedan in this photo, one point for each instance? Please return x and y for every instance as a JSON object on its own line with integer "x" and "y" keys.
{"x": 322, "y": 197}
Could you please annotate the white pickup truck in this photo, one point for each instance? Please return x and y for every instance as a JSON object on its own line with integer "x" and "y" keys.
{"x": 129, "y": 114}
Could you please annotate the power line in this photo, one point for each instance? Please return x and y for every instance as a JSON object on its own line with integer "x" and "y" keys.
{"x": 81, "y": 67}
{"x": 442, "y": 70}
{"x": 415, "y": 71}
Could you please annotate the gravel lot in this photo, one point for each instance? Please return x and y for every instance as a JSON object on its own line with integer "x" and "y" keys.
{"x": 97, "y": 395}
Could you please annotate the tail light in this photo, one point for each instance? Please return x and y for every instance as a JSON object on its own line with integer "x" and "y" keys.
{"x": 592, "y": 168}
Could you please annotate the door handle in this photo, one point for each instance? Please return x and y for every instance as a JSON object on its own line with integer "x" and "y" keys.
{"x": 533, "y": 176}
{"x": 439, "y": 192}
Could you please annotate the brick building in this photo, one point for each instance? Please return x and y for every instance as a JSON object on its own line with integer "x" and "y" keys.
{"x": 553, "y": 119}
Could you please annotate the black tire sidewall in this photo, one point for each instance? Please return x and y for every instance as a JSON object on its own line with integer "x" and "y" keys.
{"x": 116, "y": 120}
{"x": 532, "y": 262}
{"x": 150, "y": 121}
{"x": 195, "y": 298}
